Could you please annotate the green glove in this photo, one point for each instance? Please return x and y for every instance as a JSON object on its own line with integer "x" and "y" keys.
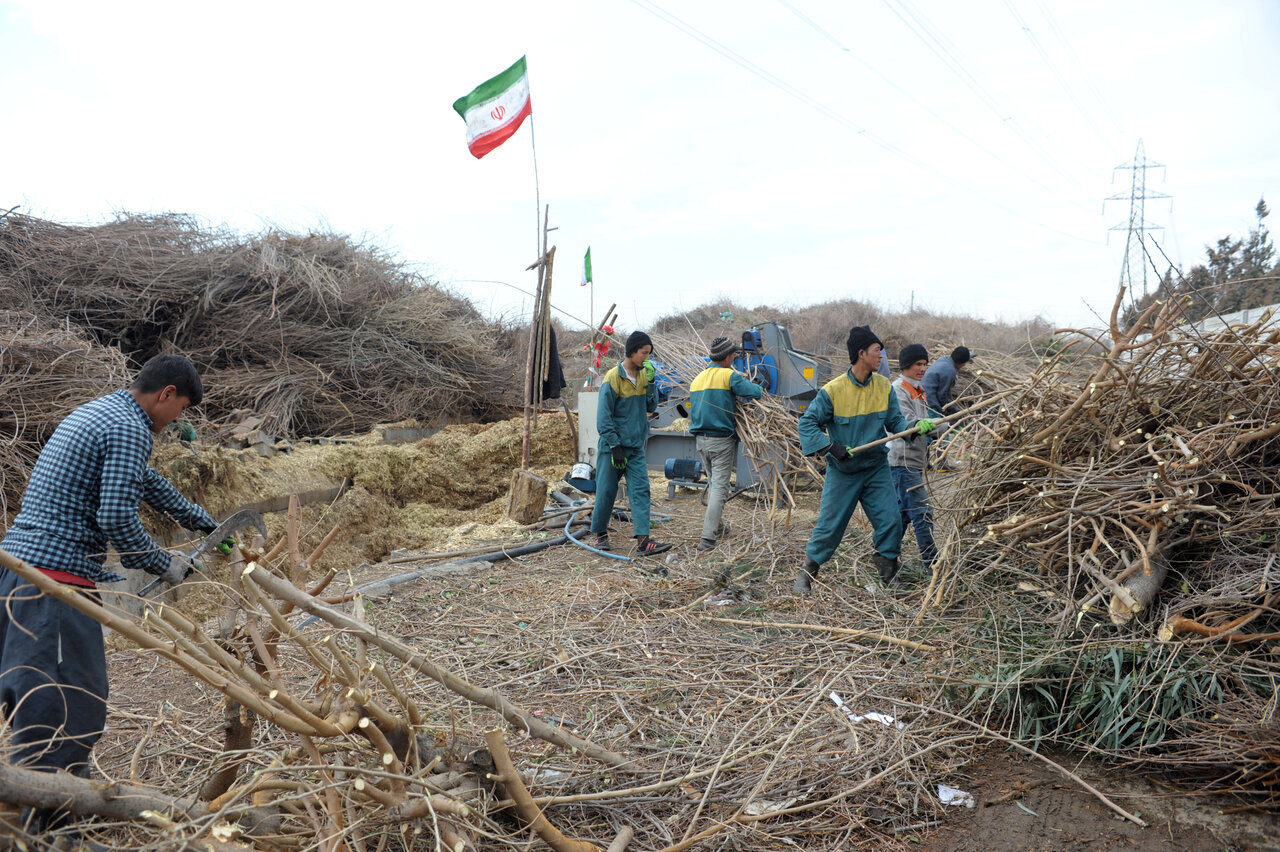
{"x": 619, "y": 460}
{"x": 226, "y": 545}
{"x": 925, "y": 425}
{"x": 649, "y": 370}
{"x": 186, "y": 431}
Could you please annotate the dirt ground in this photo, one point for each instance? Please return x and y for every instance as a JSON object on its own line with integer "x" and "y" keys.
{"x": 627, "y": 654}
{"x": 1021, "y": 803}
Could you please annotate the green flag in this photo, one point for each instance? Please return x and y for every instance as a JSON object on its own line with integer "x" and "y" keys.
{"x": 586, "y": 268}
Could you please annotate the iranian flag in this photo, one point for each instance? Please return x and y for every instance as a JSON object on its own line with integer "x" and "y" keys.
{"x": 586, "y": 268}
{"x": 495, "y": 109}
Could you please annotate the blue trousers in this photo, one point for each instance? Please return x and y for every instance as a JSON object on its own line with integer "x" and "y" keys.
{"x": 53, "y": 677}
{"x": 607, "y": 477}
{"x": 841, "y": 493}
{"x": 913, "y": 501}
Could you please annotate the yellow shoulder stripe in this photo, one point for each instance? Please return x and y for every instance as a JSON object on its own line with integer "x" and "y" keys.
{"x": 848, "y": 399}
{"x": 712, "y": 378}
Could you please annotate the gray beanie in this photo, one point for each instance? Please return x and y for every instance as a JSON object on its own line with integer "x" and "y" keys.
{"x": 721, "y": 348}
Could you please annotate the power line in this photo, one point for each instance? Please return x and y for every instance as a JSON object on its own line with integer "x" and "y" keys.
{"x": 1053, "y": 68}
{"x": 740, "y": 60}
{"x": 935, "y": 41}
{"x": 773, "y": 80}
{"x": 1003, "y": 161}
{"x": 1080, "y": 68}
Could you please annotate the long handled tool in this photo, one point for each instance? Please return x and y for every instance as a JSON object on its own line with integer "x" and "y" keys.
{"x": 240, "y": 521}
{"x": 906, "y": 433}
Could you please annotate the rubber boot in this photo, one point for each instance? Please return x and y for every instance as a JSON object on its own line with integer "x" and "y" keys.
{"x": 804, "y": 580}
{"x": 888, "y": 569}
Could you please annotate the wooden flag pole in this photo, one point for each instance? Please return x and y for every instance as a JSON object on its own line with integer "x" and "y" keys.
{"x": 533, "y": 341}
{"x": 528, "y": 494}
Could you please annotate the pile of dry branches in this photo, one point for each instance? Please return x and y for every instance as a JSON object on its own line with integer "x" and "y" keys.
{"x": 321, "y": 335}
{"x": 46, "y": 370}
{"x": 1137, "y": 487}
{"x": 1102, "y": 470}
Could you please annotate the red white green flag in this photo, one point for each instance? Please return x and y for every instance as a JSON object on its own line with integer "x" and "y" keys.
{"x": 495, "y": 109}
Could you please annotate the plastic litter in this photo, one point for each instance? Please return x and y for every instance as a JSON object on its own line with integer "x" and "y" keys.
{"x": 882, "y": 718}
{"x": 955, "y": 796}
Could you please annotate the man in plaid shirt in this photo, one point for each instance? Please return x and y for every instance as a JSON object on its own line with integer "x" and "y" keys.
{"x": 83, "y": 494}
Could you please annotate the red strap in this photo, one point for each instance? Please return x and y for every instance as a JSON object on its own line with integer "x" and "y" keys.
{"x": 70, "y": 579}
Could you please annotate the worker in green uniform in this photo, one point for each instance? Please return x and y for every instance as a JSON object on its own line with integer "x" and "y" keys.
{"x": 711, "y": 412}
{"x": 855, "y": 409}
{"x": 627, "y": 396}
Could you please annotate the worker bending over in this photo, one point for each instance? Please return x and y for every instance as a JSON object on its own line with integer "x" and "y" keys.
{"x": 627, "y": 396}
{"x": 855, "y": 409}
{"x": 83, "y": 495}
{"x": 939, "y": 385}
{"x": 907, "y": 459}
{"x": 940, "y": 380}
{"x": 711, "y": 409}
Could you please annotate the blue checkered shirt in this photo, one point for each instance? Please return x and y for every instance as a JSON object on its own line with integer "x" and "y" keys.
{"x": 85, "y": 490}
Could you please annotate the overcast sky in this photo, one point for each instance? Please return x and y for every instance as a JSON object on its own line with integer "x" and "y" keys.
{"x": 777, "y": 152}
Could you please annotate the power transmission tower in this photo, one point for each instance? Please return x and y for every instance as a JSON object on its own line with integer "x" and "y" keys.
{"x": 1137, "y": 226}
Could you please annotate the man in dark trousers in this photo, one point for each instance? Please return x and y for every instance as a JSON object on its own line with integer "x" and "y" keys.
{"x": 83, "y": 495}
{"x": 711, "y": 408}
{"x": 854, "y": 409}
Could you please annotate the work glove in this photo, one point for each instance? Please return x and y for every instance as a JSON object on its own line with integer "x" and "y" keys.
{"x": 840, "y": 451}
{"x": 186, "y": 431}
{"x": 649, "y": 371}
{"x": 180, "y": 568}
{"x": 619, "y": 461}
{"x": 226, "y": 546}
{"x": 925, "y": 425}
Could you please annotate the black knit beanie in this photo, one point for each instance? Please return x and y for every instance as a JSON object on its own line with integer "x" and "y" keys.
{"x": 861, "y": 337}
{"x": 960, "y": 355}
{"x": 910, "y": 354}
{"x": 637, "y": 340}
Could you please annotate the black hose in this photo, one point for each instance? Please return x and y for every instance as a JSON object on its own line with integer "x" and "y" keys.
{"x": 400, "y": 579}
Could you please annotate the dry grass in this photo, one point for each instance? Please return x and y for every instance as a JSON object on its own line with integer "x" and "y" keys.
{"x": 319, "y": 334}
{"x": 47, "y": 369}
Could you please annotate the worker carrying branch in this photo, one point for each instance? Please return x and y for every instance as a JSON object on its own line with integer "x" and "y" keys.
{"x": 855, "y": 409}
{"x": 84, "y": 494}
{"x": 627, "y": 396}
{"x": 711, "y": 410}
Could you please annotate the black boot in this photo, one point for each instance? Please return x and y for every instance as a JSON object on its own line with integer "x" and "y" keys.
{"x": 804, "y": 580}
{"x": 888, "y": 569}
{"x": 646, "y": 546}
